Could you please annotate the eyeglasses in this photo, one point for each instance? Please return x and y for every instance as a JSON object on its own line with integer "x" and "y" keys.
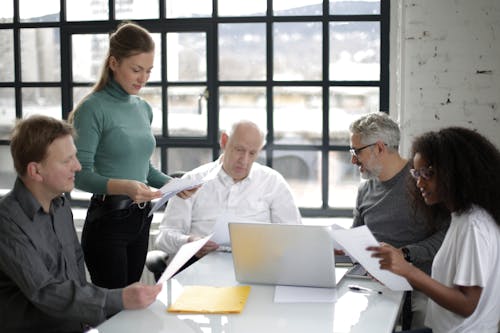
{"x": 355, "y": 151}
{"x": 425, "y": 173}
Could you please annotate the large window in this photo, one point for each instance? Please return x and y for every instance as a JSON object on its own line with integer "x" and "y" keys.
{"x": 302, "y": 70}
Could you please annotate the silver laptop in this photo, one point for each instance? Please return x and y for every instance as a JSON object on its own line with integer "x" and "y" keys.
{"x": 284, "y": 254}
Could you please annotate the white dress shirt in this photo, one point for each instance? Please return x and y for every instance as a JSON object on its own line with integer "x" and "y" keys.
{"x": 263, "y": 196}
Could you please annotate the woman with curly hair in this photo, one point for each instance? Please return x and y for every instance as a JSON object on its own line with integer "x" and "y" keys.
{"x": 458, "y": 169}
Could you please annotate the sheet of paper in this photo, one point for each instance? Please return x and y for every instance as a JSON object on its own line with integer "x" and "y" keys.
{"x": 289, "y": 294}
{"x": 209, "y": 299}
{"x": 355, "y": 241}
{"x": 221, "y": 230}
{"x": 182, "y": 256}
{"x": 177, "y": 185}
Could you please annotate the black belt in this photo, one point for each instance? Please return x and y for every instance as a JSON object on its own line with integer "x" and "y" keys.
{"x": 115, "y": 202}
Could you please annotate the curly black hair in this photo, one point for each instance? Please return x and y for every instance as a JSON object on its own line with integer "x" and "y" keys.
{"x": 467, "y": 167}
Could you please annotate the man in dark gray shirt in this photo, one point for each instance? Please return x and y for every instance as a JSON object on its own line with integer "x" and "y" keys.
{"x": 384, "y": 204}
{"x": 43, "y": 287}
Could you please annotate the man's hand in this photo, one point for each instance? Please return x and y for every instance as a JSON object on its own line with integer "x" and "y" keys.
{"x": 209, "y": 246}
{"x": 339, "y": 252}
{"x": 139, "y": 295}
{"x": 188, "y": 193}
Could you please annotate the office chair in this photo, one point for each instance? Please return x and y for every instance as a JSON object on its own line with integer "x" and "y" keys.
{"x": 156, "y": 262}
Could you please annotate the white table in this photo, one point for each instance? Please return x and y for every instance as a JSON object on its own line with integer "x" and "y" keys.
{"x": 352, "y": 312}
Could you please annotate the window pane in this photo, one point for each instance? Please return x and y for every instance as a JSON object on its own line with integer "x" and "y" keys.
{"x": 7, "y": 13}
{"x": 87, "y": 10}
{"x": 236, "y": 103}
{"x": 6, "y": 55}
{"x": 242, "y": 51}
{"x": 355, "y": 51}
{"x": 88, "y": 56}
{"x": 79, "y": 93}
{"x": 39, "y": 11}
{"x": 156, "y": 158}
{"x": 187, "y": 56}
{"x": 137, "y": 9}
{"x": 348, "y": 104}
{"x": 297, "y": 7}
{"x": 7, "y": 173}
{"x": 297, "y": 115}
{"x": 344, "y": 179}
{"x": 354, "y": 7}
{"x": 186, "y": 159}
{"x": 153, "y": 96}
{"x": 156, "y": 72}
{"x": 46, "y": 101}
{"x": 7, "y": 112}
{"x": 188, "y": 8}
{"x": 242, "y": 7}
{"x": 187, "y": 111}
{"x": 40, "y": 55}
{"x": 301, "y": 170}
{"x": 297, "y": 51}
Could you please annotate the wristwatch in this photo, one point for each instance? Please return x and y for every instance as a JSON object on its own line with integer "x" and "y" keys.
{"x": 406, "y": 254}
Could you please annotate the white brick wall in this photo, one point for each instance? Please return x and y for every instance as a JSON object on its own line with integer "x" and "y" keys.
{"x": 445, "y": 66}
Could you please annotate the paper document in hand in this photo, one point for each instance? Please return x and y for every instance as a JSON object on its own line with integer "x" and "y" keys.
{"x": 177, "y": 185}
{"x": 207, "y": 299}
{"x": 355, "y": 241}
{"x": 182, "y": 256}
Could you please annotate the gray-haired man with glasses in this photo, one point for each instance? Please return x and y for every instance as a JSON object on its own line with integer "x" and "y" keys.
{"x": 383, "y": 203}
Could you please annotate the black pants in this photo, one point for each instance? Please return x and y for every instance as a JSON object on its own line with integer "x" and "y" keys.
{"x": 115, "y": 243}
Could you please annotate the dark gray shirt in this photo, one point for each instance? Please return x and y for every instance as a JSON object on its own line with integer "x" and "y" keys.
{"x": 386, "y": 209}
{"x": 43, "y": 287}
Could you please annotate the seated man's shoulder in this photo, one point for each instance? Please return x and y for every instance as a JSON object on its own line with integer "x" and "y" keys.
{"x": 266, "y": 172}
{"x": 200, "y": 171}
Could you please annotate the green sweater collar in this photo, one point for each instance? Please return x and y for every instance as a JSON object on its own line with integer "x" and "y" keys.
{"x": 115, "y": 90}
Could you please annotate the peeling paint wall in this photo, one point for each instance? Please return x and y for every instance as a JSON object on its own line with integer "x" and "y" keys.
{"x": 448, "y": 66}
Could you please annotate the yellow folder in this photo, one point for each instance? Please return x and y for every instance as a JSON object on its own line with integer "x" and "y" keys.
{"x": 206, "y": 299}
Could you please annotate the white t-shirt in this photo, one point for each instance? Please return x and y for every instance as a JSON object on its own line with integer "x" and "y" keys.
{"x": 469, "y": 256}
{"x": 263, "y": 196}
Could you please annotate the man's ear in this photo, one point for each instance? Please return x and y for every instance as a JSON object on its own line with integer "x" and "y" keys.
{"x": 223, "y": 140}
{"x": 381, "y": 146}
{"x": 33, "y": 171}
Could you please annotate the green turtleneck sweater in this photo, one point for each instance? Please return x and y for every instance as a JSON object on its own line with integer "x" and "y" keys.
{"x": 114, "y": 140}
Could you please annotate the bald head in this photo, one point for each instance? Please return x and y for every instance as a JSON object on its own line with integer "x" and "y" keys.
{"x": 241, "y": 146}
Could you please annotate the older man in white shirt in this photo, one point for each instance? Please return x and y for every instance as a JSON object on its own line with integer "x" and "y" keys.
{"x": 243, "y": 190}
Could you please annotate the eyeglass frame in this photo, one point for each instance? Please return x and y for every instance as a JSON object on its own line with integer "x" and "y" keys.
{"x": 425, "y": 172}
{"x": 355, "y": 151}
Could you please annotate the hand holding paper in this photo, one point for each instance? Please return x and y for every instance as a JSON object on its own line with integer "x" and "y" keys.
{"x": 177, "y": 185}
{"x": 182, "y": 256}
{"x": 355, "y": 241}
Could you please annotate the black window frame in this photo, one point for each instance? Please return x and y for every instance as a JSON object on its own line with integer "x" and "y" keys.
{"x": 210, "y": 26}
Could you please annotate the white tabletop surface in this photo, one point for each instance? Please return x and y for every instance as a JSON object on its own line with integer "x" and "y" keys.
{"x": 352, "y": 311}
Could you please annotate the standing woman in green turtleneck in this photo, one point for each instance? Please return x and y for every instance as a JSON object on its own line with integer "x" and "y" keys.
{"x": 115, "y": 144}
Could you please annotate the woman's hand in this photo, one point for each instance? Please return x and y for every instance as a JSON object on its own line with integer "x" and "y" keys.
{"x": 391, "y": 259}
{"x": 137, "y": 191}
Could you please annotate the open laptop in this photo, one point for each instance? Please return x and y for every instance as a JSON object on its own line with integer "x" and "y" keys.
{"x": 284, "y": 254}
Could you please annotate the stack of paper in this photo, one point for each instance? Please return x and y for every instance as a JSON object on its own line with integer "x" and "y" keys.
{"x": 206, "y": 299}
